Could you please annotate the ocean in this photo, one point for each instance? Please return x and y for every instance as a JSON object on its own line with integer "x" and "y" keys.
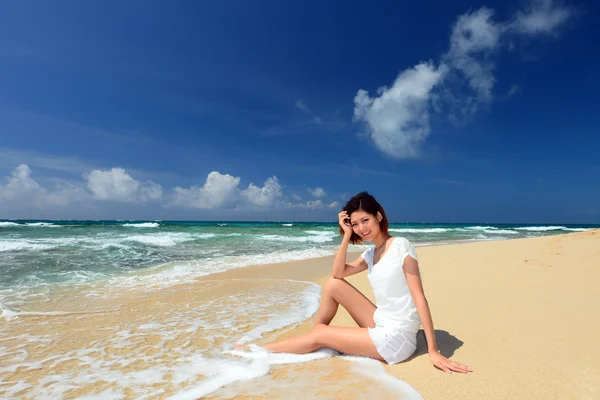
{"x": 112, "y": 309}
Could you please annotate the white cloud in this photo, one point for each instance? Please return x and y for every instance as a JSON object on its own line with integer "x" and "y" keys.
{"x": 22, "y": 190}
{"x": 334, "y": 204}
{"x": 541, "y": 17}
{"x": 263, "y": 196}
{"x": 117, "y": 185}
{"x": 397, "y": 119}
{"x": 473, "y": 37}
{"x": 317, "y": 192}
{"x": 218, "y": 191}
{"x": 312, "y": 205}
{"x": 296, "y": 197}
{"x": 20, "y": 183}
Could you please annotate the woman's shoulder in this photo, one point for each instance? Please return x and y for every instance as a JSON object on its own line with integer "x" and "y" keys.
{"x": 402, "y": 241}
{"x": 405, "y": 246}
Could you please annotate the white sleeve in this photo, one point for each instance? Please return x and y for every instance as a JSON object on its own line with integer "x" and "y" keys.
{"x": 366, "y": 256}
{"x": 407, "y": 249}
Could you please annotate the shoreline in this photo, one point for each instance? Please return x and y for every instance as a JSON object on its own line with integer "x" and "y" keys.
{"x": 518, "y": 311}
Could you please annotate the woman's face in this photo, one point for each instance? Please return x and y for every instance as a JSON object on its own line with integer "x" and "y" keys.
{"x": 364, "y": 225}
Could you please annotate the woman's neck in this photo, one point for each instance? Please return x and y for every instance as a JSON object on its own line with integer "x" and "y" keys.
{"x": 380, "y": 240}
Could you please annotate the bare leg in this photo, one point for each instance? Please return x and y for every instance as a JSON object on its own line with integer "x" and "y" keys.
{"x": 339, "y": 291}
{"x": 347, "y": 340}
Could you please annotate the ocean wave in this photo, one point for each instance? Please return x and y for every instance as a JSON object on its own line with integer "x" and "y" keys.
{"x": 322, "y": 233}
{"x": 20, "y": 245}
{"x": 551, "y": 228}
{"x": 501, "y": 231}
{"x": 163, "y": 240}
{"x": 4, "y": 224}
{"x": 542, "y": 228}
{"x": 418, "y": 230}
{"x": 143, "y": 225}
{"x": 287, "y": 224}
{"x": 99, "y": 243}
{"x": 43, "y": 225}
{"x": 313, "y": 239}
{"x": 479, "y": 228}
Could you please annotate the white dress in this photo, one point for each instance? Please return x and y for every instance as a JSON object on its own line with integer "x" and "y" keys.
{"x": 396, "y": 319}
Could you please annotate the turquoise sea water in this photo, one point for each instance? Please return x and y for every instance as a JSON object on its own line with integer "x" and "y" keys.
{"x": 38, "y": 253}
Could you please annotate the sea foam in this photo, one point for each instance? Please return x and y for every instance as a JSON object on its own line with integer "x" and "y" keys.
{"x": 143, "y": 225}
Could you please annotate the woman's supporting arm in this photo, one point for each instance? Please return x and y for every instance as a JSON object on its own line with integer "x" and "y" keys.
{"x": 413, "y": 278}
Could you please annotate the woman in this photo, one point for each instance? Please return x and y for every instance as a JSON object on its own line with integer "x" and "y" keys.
{"x": 386, "y": 332}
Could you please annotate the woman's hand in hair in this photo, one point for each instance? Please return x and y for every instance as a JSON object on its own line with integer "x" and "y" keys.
{"x": 344, "y": 221}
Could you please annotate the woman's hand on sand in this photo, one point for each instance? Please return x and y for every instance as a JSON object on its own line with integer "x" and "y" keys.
{"x": 344, "y": 221}
{"x": 446, "y": 365}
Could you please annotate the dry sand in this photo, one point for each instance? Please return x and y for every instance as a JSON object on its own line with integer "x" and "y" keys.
{"x": 522, "y": 313}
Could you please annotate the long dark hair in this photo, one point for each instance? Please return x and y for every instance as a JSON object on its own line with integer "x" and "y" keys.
{"x": 367, "y": 203}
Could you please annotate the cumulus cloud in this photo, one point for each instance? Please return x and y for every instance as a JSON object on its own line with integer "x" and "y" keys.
{"x": 21, "y": 189}
{"x": 317, "y": 192}
{"x": 263, "y": 196}
{"x": 117, "y": 185}
{"x": 222, "y": 191}
{"x": 218, "y": 191}
{"x": 334, "y": 204}
{"x": 19, "y": 183}
{"x": 397, "y": 118}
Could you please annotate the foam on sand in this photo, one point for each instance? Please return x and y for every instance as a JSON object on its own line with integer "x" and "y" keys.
{"x": 166, "y": 343}
{"x": 368, "y": 367}
{"x": 374, "y": 369}
{"x": 255, "y": 352}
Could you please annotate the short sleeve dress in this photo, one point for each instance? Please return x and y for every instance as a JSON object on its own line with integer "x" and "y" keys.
{"x": 396, "y": 319}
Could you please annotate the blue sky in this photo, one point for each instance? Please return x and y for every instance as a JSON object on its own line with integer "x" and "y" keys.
{"x": 446, "y": 111}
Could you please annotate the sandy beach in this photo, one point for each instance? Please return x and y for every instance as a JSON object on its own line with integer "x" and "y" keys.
{"x": 522, "y": 313}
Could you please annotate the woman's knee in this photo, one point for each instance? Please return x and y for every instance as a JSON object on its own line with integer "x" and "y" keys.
{"x": 317, "y": 334}
{"x": 333, "y": 284}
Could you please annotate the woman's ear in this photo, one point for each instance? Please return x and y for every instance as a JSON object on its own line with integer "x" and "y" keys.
{"x": 379, "y": 217}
